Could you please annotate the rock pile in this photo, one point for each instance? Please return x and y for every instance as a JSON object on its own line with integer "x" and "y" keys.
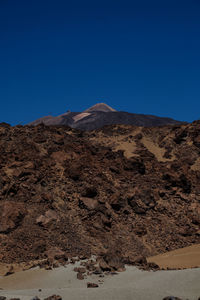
{"x": 66, "y": 194}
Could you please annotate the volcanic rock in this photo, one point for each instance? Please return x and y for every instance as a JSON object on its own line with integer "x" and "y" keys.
{"x": 111, "y": 193}
{"x": 92, "y": 285}
{"x": 49, "y": 216}
{"x": 80, "y": 269}
{"x": 55, "y": 253}
{"x": 111, "y": 261}
{"x": 11, "y": 215}
{"x": 104, "y": 266}
{"x": 80, "y": 276}
{"x": 54, "y": 297}
{"x": 171, "y": 298}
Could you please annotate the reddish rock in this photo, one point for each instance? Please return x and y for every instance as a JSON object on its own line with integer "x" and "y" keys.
{"x": 88, "y": 203}
{"x": 111, "y": 261}
{"x": 153, "y": 266}
{"x": 80, "y": 276}
{"x": 49, "y": 216}
{"x": 171, "y": 298}
{"x": 54, "y": 297}
{"x": 11, "y": 215}
{"x": 104, "y": 266}
{"x": 92, "y": 285}
{"x": 80, "y": 269}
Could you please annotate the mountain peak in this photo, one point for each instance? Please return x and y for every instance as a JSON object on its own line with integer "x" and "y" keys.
{"x": 100, "y": 107}
{"x": 101, "y": 114}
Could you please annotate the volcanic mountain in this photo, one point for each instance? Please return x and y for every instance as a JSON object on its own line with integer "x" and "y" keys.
{"x": 100, "y": 115}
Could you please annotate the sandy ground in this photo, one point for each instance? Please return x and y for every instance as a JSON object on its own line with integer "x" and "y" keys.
{"x": 188, "y": 257}
{"x": 131, "y": 284}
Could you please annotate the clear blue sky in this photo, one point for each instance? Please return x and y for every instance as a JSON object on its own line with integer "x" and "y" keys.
{"x": 138, "y": 56}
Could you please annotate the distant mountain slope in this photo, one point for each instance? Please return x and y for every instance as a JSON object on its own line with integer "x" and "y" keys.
{"x": 100, "y": 115}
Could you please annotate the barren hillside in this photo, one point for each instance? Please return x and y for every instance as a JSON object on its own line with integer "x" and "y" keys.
{"x": 122, "y": 189}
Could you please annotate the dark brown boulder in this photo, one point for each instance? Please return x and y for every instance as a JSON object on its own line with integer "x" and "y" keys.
{"x": 80, "y": 276}
{"x": 88, "y": 203}
{"x": 103, "y": 265}
{"x": 80, "y": 270}
{"x": 11, "y": 215}
{"x": 54, "y": 297}
{"x": 111, "y": 261}
{"x": 92, "y": 285}
{"x": 171, "y": 298}
{"x": 89, "y": 192}
{"x": 141, "y": 201}
{"x": 55, "y": 253}
{"x": 45, "y": 219}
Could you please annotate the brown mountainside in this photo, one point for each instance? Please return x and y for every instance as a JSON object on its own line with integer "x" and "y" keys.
{"x": 121, "y": 189}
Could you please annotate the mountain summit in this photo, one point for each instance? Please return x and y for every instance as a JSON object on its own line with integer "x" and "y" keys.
{"x": 100, "y": 107}
{"x": 100, "y": 115}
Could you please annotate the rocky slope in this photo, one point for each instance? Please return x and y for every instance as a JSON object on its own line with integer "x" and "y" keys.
{"x": 100, "y": 115}
{"x": 120, "y": 190}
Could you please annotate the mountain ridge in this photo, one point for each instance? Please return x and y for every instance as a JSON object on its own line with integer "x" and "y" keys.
{"x": 101, "y": 114}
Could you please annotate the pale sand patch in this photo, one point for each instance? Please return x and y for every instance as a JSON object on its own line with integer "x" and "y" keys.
{"x": 60, "y": 156}
{"x": 80, "y": 116}
{"x": 196, "y": 165}
{"x": 187, "y": 257}
{"x": 120, "y": 142}
{"x": 131, "y": 284}
{"x": 155, "y": 149}
{"x": 13, "y": 268}
{"x": 128, "y": 147}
